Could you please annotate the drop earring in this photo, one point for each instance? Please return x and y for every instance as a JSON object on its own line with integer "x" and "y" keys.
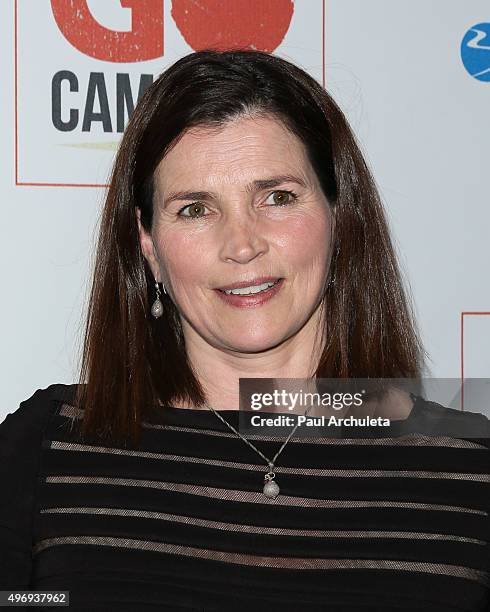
{"x": 157, "y": 306}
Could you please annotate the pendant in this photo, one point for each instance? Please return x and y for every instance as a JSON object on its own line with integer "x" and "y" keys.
{"x": 271, "y": 488}
{"x": 157, "y": 309}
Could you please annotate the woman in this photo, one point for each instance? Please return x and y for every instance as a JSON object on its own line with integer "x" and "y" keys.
{"x": 135, "y": 489}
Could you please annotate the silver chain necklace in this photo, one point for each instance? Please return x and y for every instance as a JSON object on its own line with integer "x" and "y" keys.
{"x": 271, "y": 489}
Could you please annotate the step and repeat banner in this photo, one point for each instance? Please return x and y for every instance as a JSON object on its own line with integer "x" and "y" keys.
{"x": 412, "y": 77}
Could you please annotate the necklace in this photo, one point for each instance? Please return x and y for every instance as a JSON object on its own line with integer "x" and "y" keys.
{"x": 271, "y": 488}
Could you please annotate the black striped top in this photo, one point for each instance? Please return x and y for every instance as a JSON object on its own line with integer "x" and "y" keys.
{"x": 181, "y": 523}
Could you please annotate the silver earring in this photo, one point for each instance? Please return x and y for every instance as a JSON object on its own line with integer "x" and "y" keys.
{"x": 157, "y": 307}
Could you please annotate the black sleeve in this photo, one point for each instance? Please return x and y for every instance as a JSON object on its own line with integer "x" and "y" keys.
{"x": 20, "y": 444}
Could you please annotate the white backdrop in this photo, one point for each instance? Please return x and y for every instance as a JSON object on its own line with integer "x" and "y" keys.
{"x": 394, "y": 66}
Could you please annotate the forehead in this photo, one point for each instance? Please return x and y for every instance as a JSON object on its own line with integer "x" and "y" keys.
{"x": 242, "y": 149}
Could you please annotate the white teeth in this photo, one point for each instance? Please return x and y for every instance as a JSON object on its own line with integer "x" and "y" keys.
{"x": 250, "y": 290}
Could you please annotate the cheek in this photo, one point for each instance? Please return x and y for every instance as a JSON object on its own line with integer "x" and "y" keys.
{"x": 306, "y": 240}
{"x": 183, "y": 261}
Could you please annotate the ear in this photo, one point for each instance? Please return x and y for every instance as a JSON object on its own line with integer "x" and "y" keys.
{"x": 147, "y": 247}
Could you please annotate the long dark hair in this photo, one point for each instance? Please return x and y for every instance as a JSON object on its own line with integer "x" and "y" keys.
{"x": 132, "y": 362}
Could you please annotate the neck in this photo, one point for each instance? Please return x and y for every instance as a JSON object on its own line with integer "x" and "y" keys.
{"x": 219, "y": 369}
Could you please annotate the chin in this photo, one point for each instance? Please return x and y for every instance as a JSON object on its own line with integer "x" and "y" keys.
{"x": 254, "y": 345}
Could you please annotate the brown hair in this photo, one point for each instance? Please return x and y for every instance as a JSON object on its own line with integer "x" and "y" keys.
{"x": 132, "y": 362}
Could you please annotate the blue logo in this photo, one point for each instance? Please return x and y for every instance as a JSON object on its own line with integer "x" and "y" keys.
{"x": 475, "y": 51}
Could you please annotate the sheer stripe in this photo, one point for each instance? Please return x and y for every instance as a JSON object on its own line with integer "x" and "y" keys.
{"x": 357, "y": 473}
{"x": 413, "y": 439}
{"x": 299, "y": 563}
{"x": 242, "y": 528}
{"x": 252, "y": 496}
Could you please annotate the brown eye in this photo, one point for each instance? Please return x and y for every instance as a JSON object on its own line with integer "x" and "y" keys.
{"x": 195, "y": 206}
{"x": 283, "y": 198}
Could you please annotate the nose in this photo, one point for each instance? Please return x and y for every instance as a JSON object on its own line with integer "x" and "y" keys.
{"x": 242, "y": 239}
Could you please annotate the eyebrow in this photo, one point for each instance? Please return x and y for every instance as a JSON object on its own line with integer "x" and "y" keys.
{"x": 257, "y": 185}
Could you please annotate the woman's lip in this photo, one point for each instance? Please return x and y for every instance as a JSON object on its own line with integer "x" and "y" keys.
{"x": 252, "y": 300}
{"x": 251, "y": 283}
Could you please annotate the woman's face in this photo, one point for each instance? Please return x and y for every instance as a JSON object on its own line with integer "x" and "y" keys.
{"x": 223, "y": 214}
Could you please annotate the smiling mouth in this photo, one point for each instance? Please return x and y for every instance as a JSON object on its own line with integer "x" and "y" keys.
{"x": 252, "y": 290}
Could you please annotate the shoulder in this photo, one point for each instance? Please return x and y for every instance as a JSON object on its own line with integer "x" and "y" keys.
{"x": 437, "y": 419}
{"x": 29, "y": 420}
